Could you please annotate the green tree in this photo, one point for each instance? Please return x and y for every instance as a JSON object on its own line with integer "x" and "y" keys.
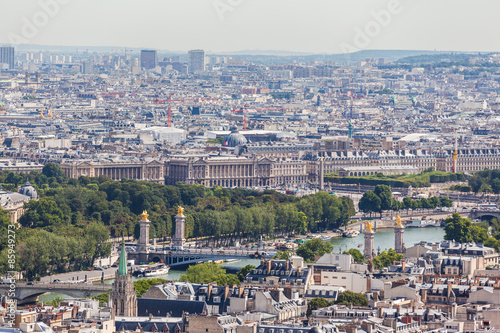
{"x": 485, "y": 188}
{"x": 282, "y": 255}
{"x": 102, "y": 298}
{"x": 317, "y": 303}
{"x": 141, "y": 286}
{"x": 479, "y": 234}
{"x": 302, "y": 227}
{"x": 208, "y": 272}
{"x": 386, "y": 258}
{"x": 458, "y": 229}
{"x": 97, "y": 237}
{"x": 356, "y": 254}
{"x": 348, "y": 297}
{"x": 4, "y": 225}
{"x": 314, "y": 247}
{"x": 407, "y": 203}
{"x": 56, "y": 301}
{"x": 242, "y": 273}
{"x": 495, "y": 185}
{"x": 52, "y": 169}
{"x": 445, "y": 202}
{"x": 370, "y": 202}
{"x": 385, "y": 194}
{"x": 43, "y": 213}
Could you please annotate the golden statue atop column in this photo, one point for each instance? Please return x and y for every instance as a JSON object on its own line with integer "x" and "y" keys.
{"x": 144, "y": 216}
{"x": 368, "y": 226}
{"x": 398, "y": 221}
{"x": 399, "y": 230}
{"x": 369, "y": 246}
{"x": 180, "y": 220}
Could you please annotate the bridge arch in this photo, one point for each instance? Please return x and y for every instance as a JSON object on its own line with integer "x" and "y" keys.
{"x": 486, "y": 216}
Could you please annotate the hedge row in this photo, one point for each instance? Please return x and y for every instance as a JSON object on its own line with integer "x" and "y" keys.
{"x": 365, "y": 181}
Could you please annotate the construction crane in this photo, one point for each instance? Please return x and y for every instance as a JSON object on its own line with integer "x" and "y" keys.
{"x": 125, "y": 50}
{"x": 170, "y": 100}
{"x": 245, "y": 113}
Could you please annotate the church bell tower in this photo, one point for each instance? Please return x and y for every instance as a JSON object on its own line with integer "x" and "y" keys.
{"x": 122, "y": 296}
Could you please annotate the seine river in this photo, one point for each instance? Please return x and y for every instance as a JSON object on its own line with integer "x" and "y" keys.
{"x": 384, "y": 239}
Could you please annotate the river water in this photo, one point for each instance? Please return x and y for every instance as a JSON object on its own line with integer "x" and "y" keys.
{"x": 384, "y": 239}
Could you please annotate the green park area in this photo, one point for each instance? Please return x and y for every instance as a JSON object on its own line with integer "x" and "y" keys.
{"x": 423, "y": 179}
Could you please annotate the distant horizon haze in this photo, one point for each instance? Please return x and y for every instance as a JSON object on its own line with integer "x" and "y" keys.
{"x": 278, "y": 26}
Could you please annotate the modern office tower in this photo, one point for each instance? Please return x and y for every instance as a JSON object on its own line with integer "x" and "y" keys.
{"x": 196, "y": 61}
{"x": 7, "y": 56}
{"x": 149, "y": 59}
{"x": 87, "y": 67}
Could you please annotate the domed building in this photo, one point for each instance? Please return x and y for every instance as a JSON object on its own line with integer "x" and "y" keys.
{"x": 235, "y": 138}
{"x": 13, "y": 202}
{"x": 29, "y": 191}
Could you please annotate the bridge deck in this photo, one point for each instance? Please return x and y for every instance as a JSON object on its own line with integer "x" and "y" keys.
{"x": 189, "y": 257}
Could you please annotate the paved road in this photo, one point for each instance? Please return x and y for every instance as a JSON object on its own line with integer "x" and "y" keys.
{"x": 80, "y": 276}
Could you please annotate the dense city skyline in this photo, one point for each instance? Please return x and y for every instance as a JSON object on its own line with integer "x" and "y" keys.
{"x": 241, "y": 166}
{"x": 228, "y": 26}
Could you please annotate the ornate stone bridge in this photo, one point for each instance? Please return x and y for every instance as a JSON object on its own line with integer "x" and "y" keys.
{"x": 480, "y": 214}
{"x": 25, "y": 293}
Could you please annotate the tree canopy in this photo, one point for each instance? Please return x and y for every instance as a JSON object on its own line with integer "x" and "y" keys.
{"x": 348, "y": 297}
{"x": 458, "y": 229}
{"x": 386, "y": 258}
{"x": 208, "y": 272}
{"x": 244, "y": 271}
{"x": 356, "y": 254}
{"x": 73, "y": 210}
{"x": 485, "y": 181}
{"x": 381, "y": 199}
{"x": 317, "y": 303}
{"x": 370, "y": 202}
{"x": 314, "y": 247}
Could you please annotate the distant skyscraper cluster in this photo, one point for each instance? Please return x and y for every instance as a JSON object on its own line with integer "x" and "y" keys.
{"x": 196, "y": 61}
{"x": 7, "y": 56}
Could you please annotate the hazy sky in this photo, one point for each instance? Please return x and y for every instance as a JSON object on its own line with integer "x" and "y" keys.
{"x": 312, "y": 26}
